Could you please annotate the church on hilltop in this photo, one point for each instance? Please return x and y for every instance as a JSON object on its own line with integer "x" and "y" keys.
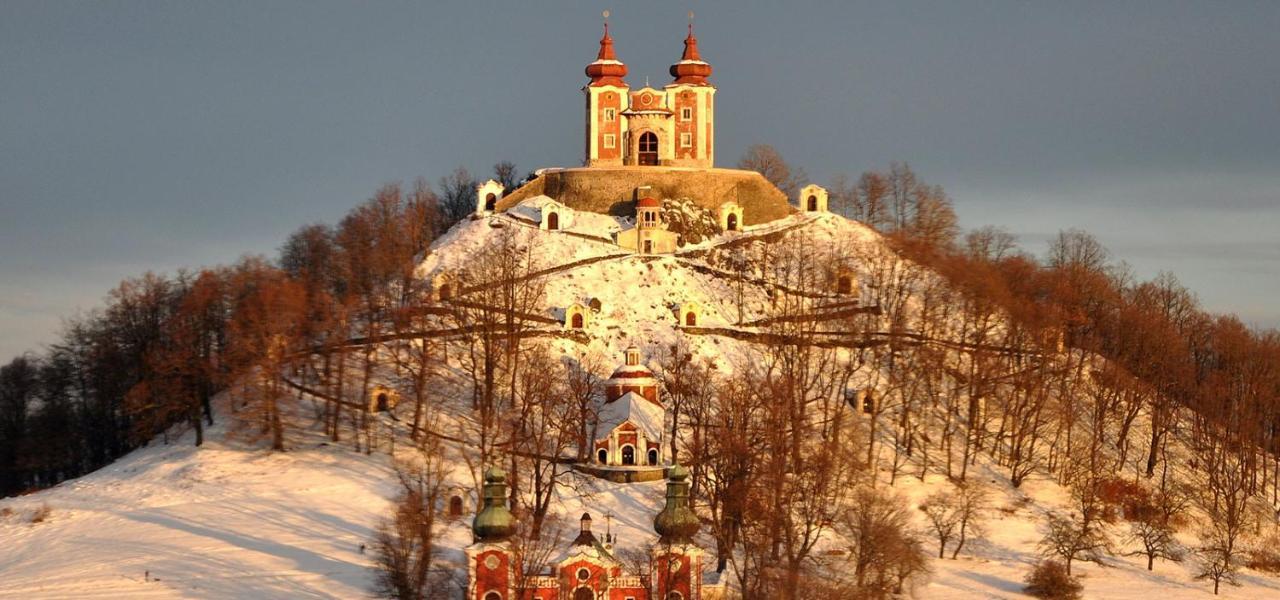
{"x": 672, "y": 127}
{"x": 647, "y": 151}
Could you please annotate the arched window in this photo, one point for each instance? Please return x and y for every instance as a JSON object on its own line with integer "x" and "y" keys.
{"x": 490, "y": 201}
{"x": 576, "y": 323}
{"x": 455, "y": 506}
{"x": 674, "y": 596}
{"x": 653, "y": 456}
{"x": 553, "y": 221}
{"x": 813, "y": 203}
{"x": 583, "y": 574}
{"x": 493, "y": 596}
{"x": 844, "y": 285}
{"x": 648, "y": 148}
{"x": 444, "y": 292}
{"x": 732, "y": 223}
{"x": 628, "y": 455}
{"x": 691, "y": 319}
{"x": 382, "y": 402}
{"x": 602, "y": 456}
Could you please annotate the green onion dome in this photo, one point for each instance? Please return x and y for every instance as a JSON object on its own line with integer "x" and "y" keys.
{"x": 677, "y": 523}
{"x": 494, "y": 522}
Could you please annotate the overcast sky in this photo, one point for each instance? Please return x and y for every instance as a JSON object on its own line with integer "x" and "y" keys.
{"x": 141, "y": 136}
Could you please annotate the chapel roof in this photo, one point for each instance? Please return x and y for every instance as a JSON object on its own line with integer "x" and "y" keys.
{"x": 647, "y": 416}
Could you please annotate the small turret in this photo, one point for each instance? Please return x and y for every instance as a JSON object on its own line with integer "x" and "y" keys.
{"x": 494, "y": 523}
{"x": 585, "y": 537}
{"x": 677, "y": 523}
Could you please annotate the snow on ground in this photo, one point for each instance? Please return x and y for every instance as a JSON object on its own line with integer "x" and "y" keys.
{"x": 228, "y": 520}
{"x": 994, "y": 564}
{"x": 233, "y": 520}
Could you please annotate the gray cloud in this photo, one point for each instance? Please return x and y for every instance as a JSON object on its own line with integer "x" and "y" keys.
{"x": 137, "y": 135}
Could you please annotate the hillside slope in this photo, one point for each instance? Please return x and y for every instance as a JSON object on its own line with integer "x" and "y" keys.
{"x": 233, "y": 520}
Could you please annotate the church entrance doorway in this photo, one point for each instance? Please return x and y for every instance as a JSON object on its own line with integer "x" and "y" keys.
{"x": 648, "y": 149}
{"x": 553, "y": 221}
{"x": 628, "y": 456}
{"x": 584, "y": 594}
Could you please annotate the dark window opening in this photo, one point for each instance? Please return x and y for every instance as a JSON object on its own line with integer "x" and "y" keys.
{"x": 602, "y": 456}
{"x": 648, "y": 148}
{"x": 813, "y": 203}
{"x": 844, "y": 285}
{"x": 382, "y": 403}
{"x": 455, "y": 506}
{"x": 653, "y": 456}
{"x": 490, "y": 202}
{"x": 553, "y": 221}
{"x": 732, "y": 224}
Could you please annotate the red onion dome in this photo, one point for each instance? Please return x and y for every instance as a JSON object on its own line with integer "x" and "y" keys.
{"x": 691, "y": 69}
{"x": 648, "y": 203}
{"x": 607, "y": 69}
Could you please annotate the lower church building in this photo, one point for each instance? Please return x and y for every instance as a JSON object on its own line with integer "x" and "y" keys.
{"x": 587, "y": 569}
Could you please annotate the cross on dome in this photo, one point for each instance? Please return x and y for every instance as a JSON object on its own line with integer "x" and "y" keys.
{"x": 606, "y": 69}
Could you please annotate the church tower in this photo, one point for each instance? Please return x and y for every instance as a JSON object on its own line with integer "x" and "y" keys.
{"x": 692, "y": 100}
{"x": 605, "y": 97}
{"x": 677, "y": 561}
{"x": 490, "y": 564}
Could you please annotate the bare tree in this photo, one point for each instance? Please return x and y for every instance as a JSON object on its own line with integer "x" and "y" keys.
{"x": 767, "y": 161}
{"x": 883, "y": 552}
{"x": 457, "y": 197}
{"x": 970, "y": 499}
{"x": 505, "y": 173}
{"x": 940, "y": 509}
{"x": 1154, "y": 526}
{"x": 1225, "y": 501}
{"x": 583, "y": 385}
{"x": 405, "y": 546}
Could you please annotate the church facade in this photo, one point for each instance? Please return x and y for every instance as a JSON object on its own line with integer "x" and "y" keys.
{"x": 673, "y": 126}
{"x": 588, "y": 568}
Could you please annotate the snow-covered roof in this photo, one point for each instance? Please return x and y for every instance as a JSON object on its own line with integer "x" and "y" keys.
{"x": 645, "y": 415}
{"x": 531, "y": 208}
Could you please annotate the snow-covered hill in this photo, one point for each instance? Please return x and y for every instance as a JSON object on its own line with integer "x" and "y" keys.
{"x": 234, "y": 520}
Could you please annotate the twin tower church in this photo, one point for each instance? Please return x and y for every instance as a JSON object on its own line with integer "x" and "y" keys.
{"x": 642, "y": 148}
{"x": 673, "y": 126}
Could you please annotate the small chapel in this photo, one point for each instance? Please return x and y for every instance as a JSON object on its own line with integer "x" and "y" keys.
{"x": 632, "y": 419}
